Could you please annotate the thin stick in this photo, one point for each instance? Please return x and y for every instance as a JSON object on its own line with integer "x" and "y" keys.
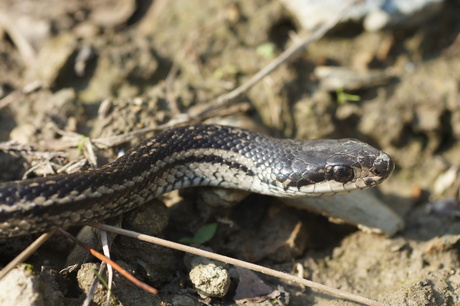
{"x": 236, "y": 262}
{"x": 114, "y": 265}
{"x": 106, "y": 248}
{"x": 26, "y": 253}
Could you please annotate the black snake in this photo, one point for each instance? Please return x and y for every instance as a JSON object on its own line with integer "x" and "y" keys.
{"x": 196, "y": 155}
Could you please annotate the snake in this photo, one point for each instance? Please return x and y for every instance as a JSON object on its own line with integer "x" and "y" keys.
{"x": 190, "y": 156}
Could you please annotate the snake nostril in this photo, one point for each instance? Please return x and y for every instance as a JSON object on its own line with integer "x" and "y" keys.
{"x": 384, "y": 166}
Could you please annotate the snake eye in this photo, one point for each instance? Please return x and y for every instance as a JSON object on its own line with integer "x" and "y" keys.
{"x": 342, "y": 174}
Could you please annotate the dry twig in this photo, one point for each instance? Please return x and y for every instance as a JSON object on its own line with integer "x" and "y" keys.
{"x": 26, "y": 253}
{"x": 236, "y": 262}
{"x": 114, "y": 265}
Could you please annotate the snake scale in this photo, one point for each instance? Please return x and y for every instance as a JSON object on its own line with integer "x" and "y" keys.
{"x": 187, "y": 156}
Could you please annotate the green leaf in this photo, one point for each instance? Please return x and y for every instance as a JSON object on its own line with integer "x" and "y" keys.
{"x": 204, "y": 234}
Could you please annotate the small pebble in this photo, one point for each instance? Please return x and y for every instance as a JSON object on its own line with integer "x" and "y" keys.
{"x": 210, "y": 280}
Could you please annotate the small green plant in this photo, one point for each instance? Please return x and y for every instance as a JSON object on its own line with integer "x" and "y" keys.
{"x": 225, "y": 71}
{"x": 266, "y": 50}
{"x": 204, "y": 234}
{"x": 343, "y": 97}
{"x": 104, "y": 283}
{"x": 28, "y": 267}
{"x": 81, "y": 145}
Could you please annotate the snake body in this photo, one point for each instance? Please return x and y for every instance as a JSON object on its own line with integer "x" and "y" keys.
{"x": 196, "y": 155}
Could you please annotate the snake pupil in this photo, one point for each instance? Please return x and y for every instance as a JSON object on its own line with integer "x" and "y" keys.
{"x": 342, "y": 173}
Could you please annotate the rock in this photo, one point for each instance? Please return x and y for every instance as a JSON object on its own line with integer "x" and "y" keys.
{"x": 150, "y": 218}
{"x": 280, "y": 234}
{"x": 124, "y": 291}
{"x": 252, "y": 290}
{"x": 374, "y": 14}
{"x": 156, "y": 263}
{"x": 210, "y": 280}
{"x": 363, "y": 209}
{"x": 20, "y": 287}
{"x": 23, "y": 287}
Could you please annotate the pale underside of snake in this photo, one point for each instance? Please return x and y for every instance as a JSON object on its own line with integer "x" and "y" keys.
{"x": 189, "y": 156}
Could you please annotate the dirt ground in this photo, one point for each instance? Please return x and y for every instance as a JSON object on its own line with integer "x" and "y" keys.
{"x": 75, "y": 73}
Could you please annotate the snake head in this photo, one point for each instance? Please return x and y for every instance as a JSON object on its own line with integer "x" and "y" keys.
{"x": 326, "y": 167}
